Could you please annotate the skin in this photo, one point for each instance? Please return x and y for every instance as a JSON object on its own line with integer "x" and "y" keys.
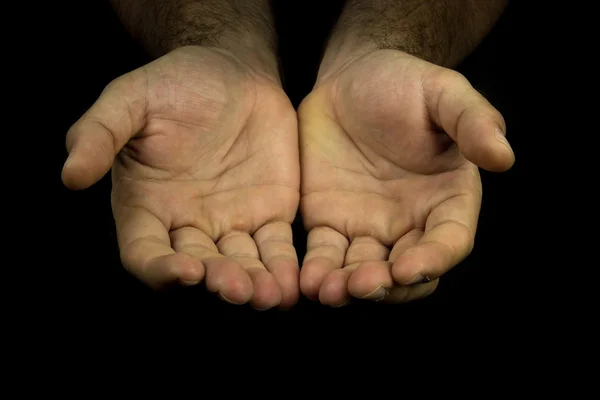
{"x": 391, "y": 192}
{"x": 204, "y": 157}
{"x": 203, "y": 146}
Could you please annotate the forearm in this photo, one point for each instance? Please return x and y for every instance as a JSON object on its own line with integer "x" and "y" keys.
{"x": 439, "y": 31}
{"x": 243, "y": 27}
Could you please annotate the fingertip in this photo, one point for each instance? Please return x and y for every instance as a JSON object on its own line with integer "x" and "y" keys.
{"x": 497, "y": 160}
{"x": 288, "y": 279}
{"x": 158, "y": 273}
{"x": 267, "y": 293}
{"x": 407, "y": 268}
{"x": 311, "y": 279}
{"x": 491, "y": 153}
{"x": 507, "y": 154}
{"x": 170, "y": 269}
{"x": 79, "y": 173}
{"x": 334, "y": 290}
{"x": 190, "y": 271}
{"x": 289, "y": 299}
{"x": 72, "y": 177}
{"x": 232, "y": 301}
{"x": 236, "y": 294}
{"x": 404, "y": 294}
{"x": 368, "y": 277}
{"x": 228, "y": 279}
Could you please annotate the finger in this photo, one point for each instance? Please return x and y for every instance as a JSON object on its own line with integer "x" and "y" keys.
{"x": 365, "y": 248}
{"x": 240, "y": 247}
{"x": 334, "y": 287}
{"x": 223, "y": 275}
{"x": 371, "y": 280}
{"x": 146, "y": 250}
{"x": 325, "y": 252}
{"x": 95, "y": 139}
{"x": 374, "y": 281}
{"x": 404, "y": 294}
{"x": 470, "y": 120}
{"x": 448, "y": 239}
{"x": 276, "y": 249}
{"x": 405, "y": 242}
{"x": 372, "y": 274}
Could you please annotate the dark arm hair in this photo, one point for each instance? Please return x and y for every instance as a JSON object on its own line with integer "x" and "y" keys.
{"x": 164, "y": 25}
{"x": 439, "y": 31}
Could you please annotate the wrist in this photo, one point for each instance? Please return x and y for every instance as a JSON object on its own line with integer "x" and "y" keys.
{"x": 257, "y": 53}
{"x": 340, "y": 53}
{"x": 244, "y": 29}
{"x": 442, "y": 32}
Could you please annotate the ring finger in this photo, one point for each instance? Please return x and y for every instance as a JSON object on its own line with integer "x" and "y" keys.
{"x": 240, "y": 247}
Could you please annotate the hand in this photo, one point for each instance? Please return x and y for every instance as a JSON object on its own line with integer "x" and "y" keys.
{"x": 391, "y": 191}
{"x": 205, "y": 174}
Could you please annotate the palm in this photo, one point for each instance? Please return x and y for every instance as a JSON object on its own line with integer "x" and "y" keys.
{"x": 210, "y": 184}
{"x": 383, "y": 186}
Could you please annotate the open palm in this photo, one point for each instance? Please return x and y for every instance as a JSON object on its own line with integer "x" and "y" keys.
{"x": 390, "y": 146}
{"x": 205, "y": 174}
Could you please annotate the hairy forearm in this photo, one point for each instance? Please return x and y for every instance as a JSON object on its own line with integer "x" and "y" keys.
{"x": 243, "y": 27}
{"x": 439, "y": 31}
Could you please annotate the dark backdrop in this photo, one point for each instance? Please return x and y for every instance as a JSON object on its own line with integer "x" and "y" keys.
{"x": 90, "y": 48}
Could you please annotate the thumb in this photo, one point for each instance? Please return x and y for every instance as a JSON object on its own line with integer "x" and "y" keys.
{"x": 96, "y": 138}
{"x": 470, "y": 120}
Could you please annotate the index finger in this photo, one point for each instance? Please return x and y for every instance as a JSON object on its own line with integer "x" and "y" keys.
{"x": 448, "y": 239}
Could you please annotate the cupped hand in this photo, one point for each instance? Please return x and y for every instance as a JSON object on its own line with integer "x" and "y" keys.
{"x": 205, "y": 174}
{"x": 390, "y": 147}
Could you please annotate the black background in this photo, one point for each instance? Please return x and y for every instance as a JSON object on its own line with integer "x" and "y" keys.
{"x": 90, "y": 48}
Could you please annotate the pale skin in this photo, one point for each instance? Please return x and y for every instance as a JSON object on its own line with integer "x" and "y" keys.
{"x": 205, "y": 178}
{"x": 390, "y": 147}
{"x": 391, "y": 192}
{"x": 206, "y": 151}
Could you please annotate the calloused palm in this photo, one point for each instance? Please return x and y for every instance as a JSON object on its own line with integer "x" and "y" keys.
{"x": 390, "y": 191}
{"x": 205, "y": 174}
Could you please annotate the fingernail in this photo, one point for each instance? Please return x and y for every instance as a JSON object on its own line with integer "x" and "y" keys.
{"x": 222, "y": 296}
{"x": 189, "y": 283}
{"x": 418, "y": 278}
{"x": 342, "y": 305}
{"x": 259, "y": 309}
{"x": 377, "y": 294}
{"x": 502, "y": 138}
